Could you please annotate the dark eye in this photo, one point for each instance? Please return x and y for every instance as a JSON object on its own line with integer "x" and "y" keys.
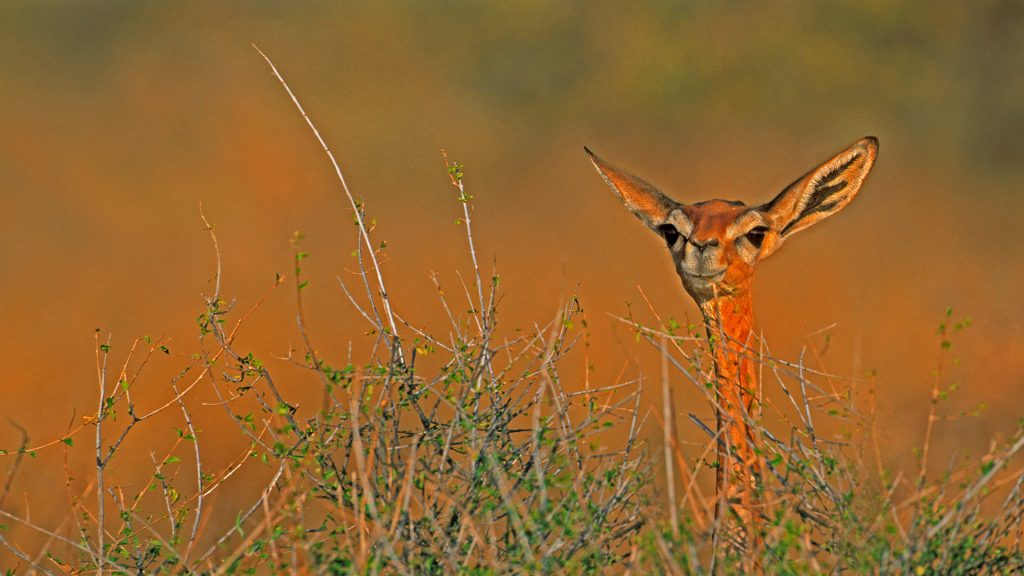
{"x": 669, "y": 233}
{"x": 756, "y": 236}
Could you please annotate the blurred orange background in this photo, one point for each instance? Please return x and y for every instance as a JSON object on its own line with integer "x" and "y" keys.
{"x": 120, "y": 118}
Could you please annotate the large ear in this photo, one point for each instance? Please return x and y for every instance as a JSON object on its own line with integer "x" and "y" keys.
{"x": 643, "y": 199}
{"x": 823, "y": 191}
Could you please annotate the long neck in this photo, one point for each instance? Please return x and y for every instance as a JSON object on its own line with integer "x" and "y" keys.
{"x": 730, "y": 326}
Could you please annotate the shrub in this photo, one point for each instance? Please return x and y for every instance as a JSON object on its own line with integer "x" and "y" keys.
{"x": 480, "y": 461}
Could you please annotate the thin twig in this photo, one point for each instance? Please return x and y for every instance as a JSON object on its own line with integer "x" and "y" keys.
{"x": 385, "y": 302}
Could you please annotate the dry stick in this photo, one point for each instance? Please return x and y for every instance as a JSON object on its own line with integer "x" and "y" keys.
{"x": 239, "y": 520}
{"x": 381, "y": 332}
{"x": 165, "y": 488}
{"x": 58, "y": 537}
{"x": 422, "y": 334}
{"x": 355, "y": 304}
{"x": 548, "y": 369}
{"x": 179, "y": 396}
{"x": 593, "y": 391}
{"x": 133, "y": 418}
{"x": 649, "y": 335}
{"x": 483, "y": 317}
{"x": 125, "y": 388}
{"x": 1014, "y": 501}
{"x": 199, "y": 479}
{"x": 212, "y": 359}
{"x": 444, "y": 460}
{"x": 406, "y": 492}
{"x": 716, "y": 437}
{"x": 515, "y": 516}
{"x": 268, "y": 520}
{"x": 932, "y": 409}
{"x": 385, "y": 302}
{"x": 24, "y": 557}
{"x": 101, "y": 373}
{"x": 454, "y": 173}
{"x": 594, "y": 414}
{"x": 835, "y": 394}
{"x": 468, "y": 524}
{"x": 457, "y": 336}
{"x": 568, "y": 431}
{"x": 151, "y": 529}
{"x": 634, "y": 427}
{"x": 127, "y": 526}
{"x": 980, "y": 483}
{"x": 929, "y": 428}
{"x": 808, "y": 421}
{"x": 216, "y": 250}
{"x": 225, "y": 342}
{"x": 808, "y": 427}
{"x": 668, "y": 409}
{"x": 691, "y": 492}
{"x": 674, "y": 339}
{"x": 73, "y": 504}
{"x": 550, "y": 382}
{"x": 228, "y": 472}
{"x": 286, "y": 493}
{"x": 469, "y": 300}
{"x": 537, "y": 444}
{"x": 363, "y": 474}
{"x": 209, "y": 490}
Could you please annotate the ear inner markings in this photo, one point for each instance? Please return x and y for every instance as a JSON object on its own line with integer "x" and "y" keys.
{"x": 836, "y": 171}
{"x": 824, "y": 192}
{"x": 824, "y": 188}
{"x": 824, "y": 207}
